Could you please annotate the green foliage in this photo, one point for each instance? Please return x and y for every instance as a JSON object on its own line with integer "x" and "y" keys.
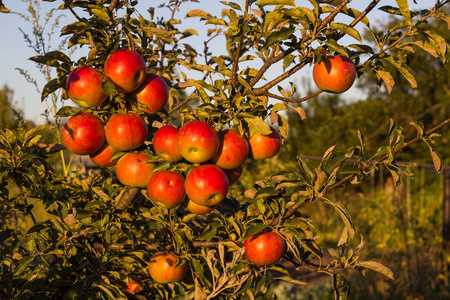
{"x": 97, "y": 235}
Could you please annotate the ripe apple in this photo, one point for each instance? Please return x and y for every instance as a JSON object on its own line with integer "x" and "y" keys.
{"x": 264, "y": 146}
{"x": 334, "y": 74}
{"x": 126, "y": 69}
{"x": 153, "y": 92}
{"x": 132, "y": 169}
{"x": 198, "y": 141}
{"x": 102, "y": 156}
{"x": 83, "y": 133}
{"x": 84, "y": 87}
{"x": 133, "y": 287}
{"x": 164, "y": 267}
{"x": 264, "y": 248}
{"x": 165, "y": 143}
{"x": 234, "y": 174}
{"x": 194, "y": 208}
{"x": 233, "y": 149}
{"x": 206, "y": 185}
{"x": 166, "y": 189}
{"x": 126, "y": 131}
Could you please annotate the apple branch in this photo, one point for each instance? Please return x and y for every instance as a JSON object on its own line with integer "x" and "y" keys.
{"x": 411, "y": 31}
{"x": 286, "y": 99}
{"x": 127, "y": 197}
{"x": 295, "y": 207}
{"x": 273, "y": 60}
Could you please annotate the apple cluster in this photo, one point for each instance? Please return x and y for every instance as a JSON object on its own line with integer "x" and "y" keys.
{"x": 216, "y": 158}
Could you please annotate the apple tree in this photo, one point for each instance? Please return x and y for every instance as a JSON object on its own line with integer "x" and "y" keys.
{"x": 172, "y": 126}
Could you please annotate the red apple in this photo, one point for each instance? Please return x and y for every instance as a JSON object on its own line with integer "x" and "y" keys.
{"x": 206, "y": 185}
{"x": 234, "y": 174}
{"x": 233, "y": 149}
{"x": 84, "y": 87}
{"x": 102, "y": 156}
{"x": 334, "y": 74}
{"x": 126, "y": 131}
{"x": 132, "y": 169}
{"x": 165, "y": 143}
{"x": 153, "y": 92}
{"x": 264, "y": 146}
{"x": 164, "y": 267}
{"x": 126, "y": 69}
{"x": 264, "y": 248}
{"x": 194, "y": 208}
{"x": 133, "y": 287}
{"x": 83, "y": 134}
{"x": 198, "y": 141}
{"x": 166, "y": 189}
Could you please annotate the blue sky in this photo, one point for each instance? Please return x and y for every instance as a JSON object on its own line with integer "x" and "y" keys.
{"x": 15, "y": 52}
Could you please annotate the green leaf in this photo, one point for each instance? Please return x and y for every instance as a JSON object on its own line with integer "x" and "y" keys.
{"x": 355, "y": 14}
{"x": 335, "y": 47}
{"x": 404, "y": 70}
{"x": 75, "y": 28}
{"x": 163, "y": 34}
{"x": 254, "y": 229}
{"x": 341, "y": 287}
{"x": 257, "y": 125}
{"x": 22, "y": 265}
{"x": 376, "y": 266}
{"x": 216, "y": 21}
{"x": 276, "y": 2}
{"x": 202, "y": 93}
{"x": 287, "y": 61}
{"x": 291, "y": 280}
{"x": 3, "y": 9}
{"x": 266, "y": 192}
{"x": 198, "y": 13}
{"x": 387, "y": 79}
{"x": 109, "y": 88}
{"x": 278, "y": 35}
{"x": 437, "y": 161}
{"x": 67, "y": 111}
{"x": 347, "y": 30}
{"x": 111, "y": 292}
{"x": 52, "y": 86}
{"x": 210, "y": 232}
{"x": 300, "y": 111}
{"x": 344, "y": 215}
{"x": 404, "y": 9}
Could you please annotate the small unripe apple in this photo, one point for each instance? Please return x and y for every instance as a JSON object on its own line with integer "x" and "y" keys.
{"x": 126, "y": 69}
{"x": 264, "y": 248}
{"x": 83, "y": 133}
{"x": 84, "y": 87}
{"x": 163, "y": 267}
{"x": 334, "y": 74}
{"x": 265, "y": 146}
